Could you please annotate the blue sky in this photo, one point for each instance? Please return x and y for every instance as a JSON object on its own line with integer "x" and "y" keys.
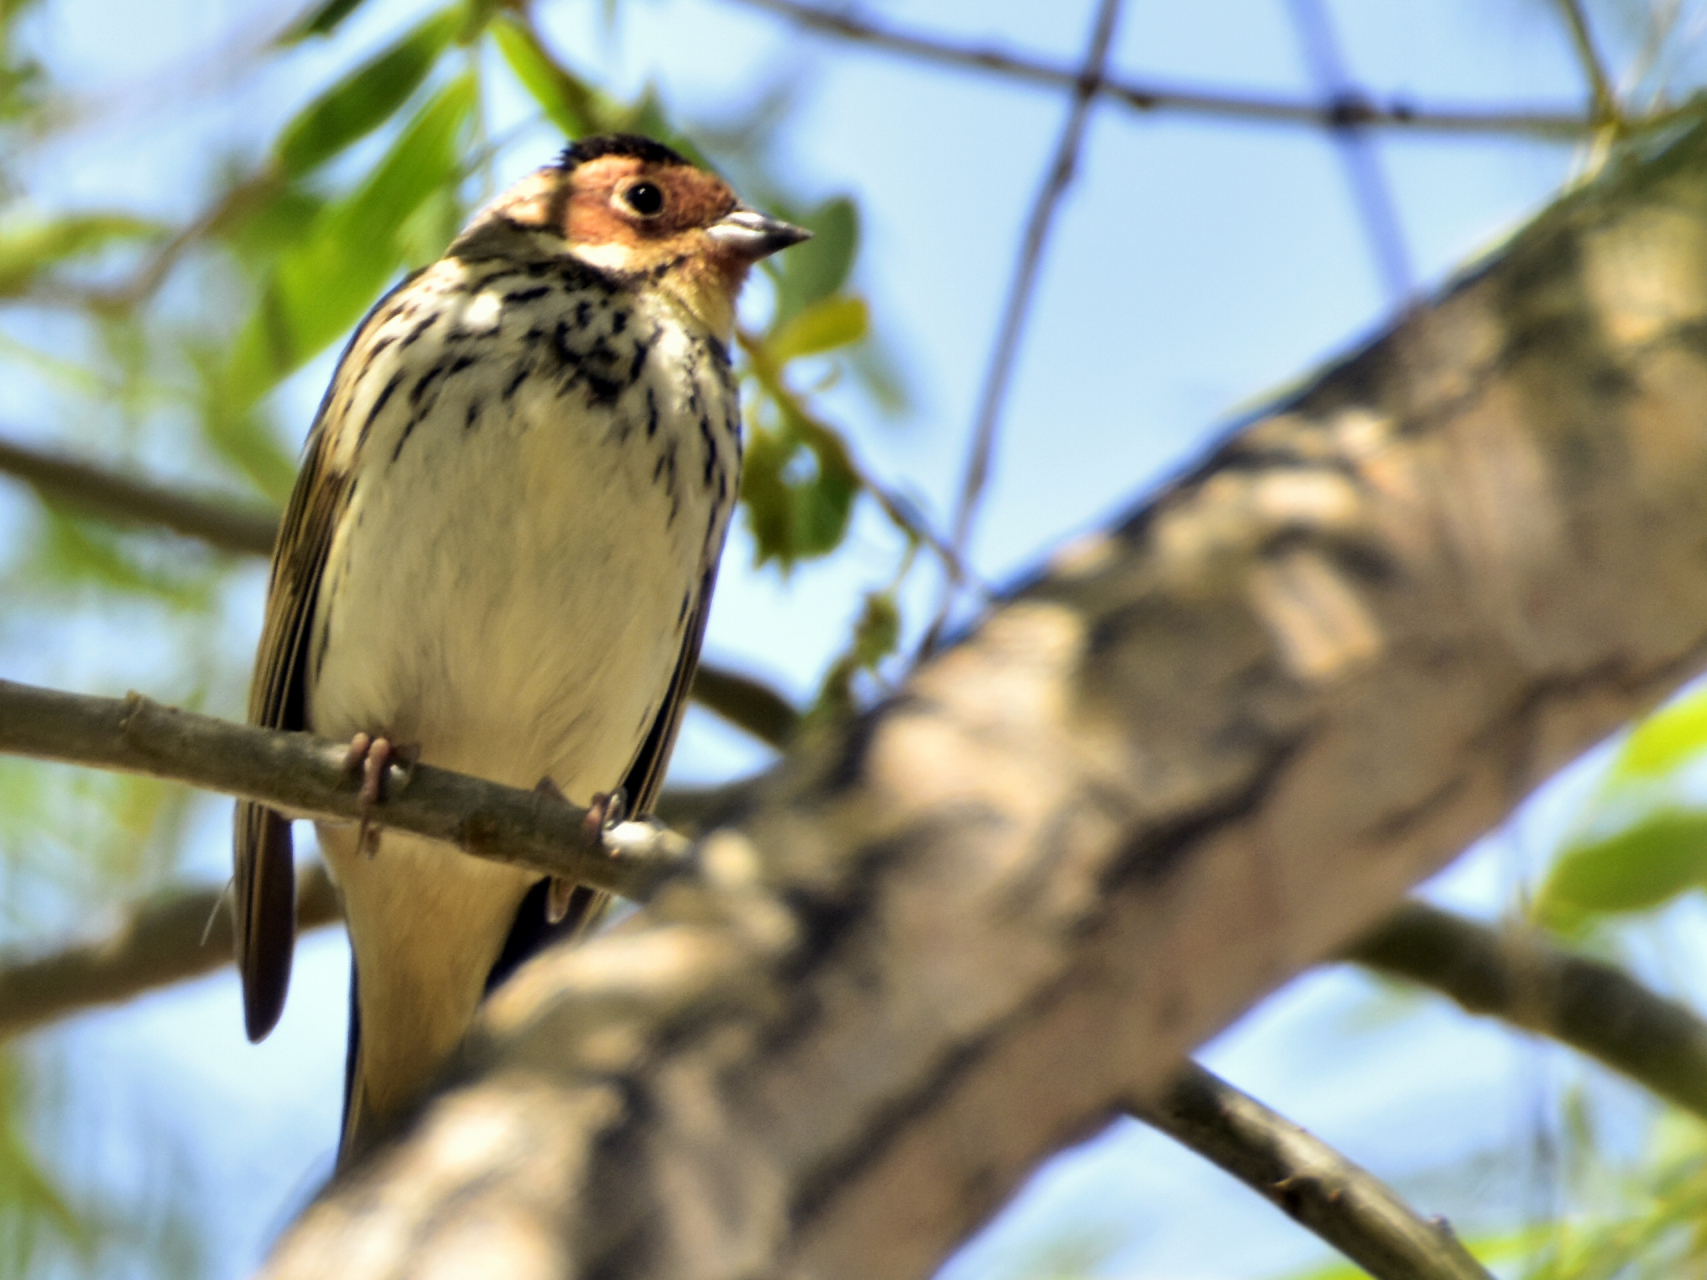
{"x": 1197, "y": 267}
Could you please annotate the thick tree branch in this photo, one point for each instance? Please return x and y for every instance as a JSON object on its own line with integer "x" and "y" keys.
{"x": 307, "y": 777}
{"x": 1188, "y": 758}
{"x": 1519, "y": 976}
{"x": 1224, "y": 104}
{"x": 1308, "y": 1180}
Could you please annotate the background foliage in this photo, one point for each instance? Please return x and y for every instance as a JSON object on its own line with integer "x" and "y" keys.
{"x": 192, "y": 218}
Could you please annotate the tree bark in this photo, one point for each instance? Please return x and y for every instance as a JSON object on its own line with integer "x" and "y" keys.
{"x": 1189, "y": 757}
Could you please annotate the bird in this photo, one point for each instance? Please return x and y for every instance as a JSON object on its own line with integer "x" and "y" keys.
{"x": 498, "y": 558}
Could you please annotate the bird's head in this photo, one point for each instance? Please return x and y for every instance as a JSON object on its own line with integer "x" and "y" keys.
{"x": 636, "y": 209}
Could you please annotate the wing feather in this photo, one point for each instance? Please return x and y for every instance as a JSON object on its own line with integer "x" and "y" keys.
{"x": 264, "y": 911}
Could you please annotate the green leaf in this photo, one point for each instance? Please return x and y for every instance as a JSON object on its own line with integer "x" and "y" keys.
{"x": 1635, "y": 870}
{"x": 320, "y": 287}
{"x": 1663, "y": 741}
{"x": 876, "y": 636}
{"x": 27, "y": 250}
{"x": 282, "y": 220}
{"x": 836, "y": 321}
{"x": 819, "y": 267}
{"x": 363, "y": 100}
{"x": 566, "y": 100}
{"x": 321, "y": 20}
{"x": 798, "y": 485}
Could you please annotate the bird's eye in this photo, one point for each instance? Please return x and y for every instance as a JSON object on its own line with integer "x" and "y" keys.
{"x": 644, "y": 198}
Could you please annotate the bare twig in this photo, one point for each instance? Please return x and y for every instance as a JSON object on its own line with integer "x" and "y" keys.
{"x": 305, "y": 777}
{"x": 1056, "y": 179}
{"x": 1563, "y": 126}
{"x": 1600, "y": 84}
{"x": 1308, "y": 1180}
{"x": 1521, "y": 977}
{"x": 221, "y": 524}
{"x": 155, "y": 944}
{"x": 1369, "y": 187}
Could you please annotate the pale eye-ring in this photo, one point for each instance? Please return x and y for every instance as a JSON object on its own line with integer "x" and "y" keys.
{"x": 644, "y": 198}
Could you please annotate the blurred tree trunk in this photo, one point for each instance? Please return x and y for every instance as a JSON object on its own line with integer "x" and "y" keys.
{"x": 1190, "y": 757}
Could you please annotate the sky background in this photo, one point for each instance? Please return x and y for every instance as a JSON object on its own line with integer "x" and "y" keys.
{"x": 1196, "y": 269}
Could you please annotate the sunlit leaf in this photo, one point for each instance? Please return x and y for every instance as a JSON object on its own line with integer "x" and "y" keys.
{"x": 26, "y": 251}
{"x": 366, "y": 98}
{"x": 1664, "y": 740}
{"x": 322, "y": 286}
{"x": 820, "y": 266}
{"x": 321, "y": 20}
{"x": 836, "y": 321}
{"x": 1635, "y": 870}
{"x": 282, "y": 220}
{"x": 566, "y": 100}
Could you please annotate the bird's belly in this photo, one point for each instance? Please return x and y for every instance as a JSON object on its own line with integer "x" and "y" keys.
{"x": 509, "y": 599}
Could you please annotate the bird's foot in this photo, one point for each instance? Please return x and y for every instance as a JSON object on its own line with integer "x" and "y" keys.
{"x": 373, "y": 757}
{"x": 606, "y": 810}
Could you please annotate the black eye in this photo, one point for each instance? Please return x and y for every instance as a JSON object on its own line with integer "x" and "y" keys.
{"x": 644, "y": 198}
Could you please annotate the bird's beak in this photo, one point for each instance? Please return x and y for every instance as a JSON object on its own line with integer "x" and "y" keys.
{"x": 750, "y": 235}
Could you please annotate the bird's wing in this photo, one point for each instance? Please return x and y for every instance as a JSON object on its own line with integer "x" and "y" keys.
{"x": 645, "y": 776}
{"x": 532, "y": 930}
{"x": 264, "y": 907}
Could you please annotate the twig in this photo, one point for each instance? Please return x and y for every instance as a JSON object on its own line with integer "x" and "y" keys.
{"x": 154, "y": 945}
{"x": 224, "y": 525}
{"x": 1563, "y": 126}
{"x": 1369, "y": 188}
{"x": 1056, "y": 179}
{"x": 305, "y": 777}
{"x": 1520, "y": 977}
{"x": 186, "y": 932}
{"x": 1309, "y": 1181}
{"x": 1600, "y": 84}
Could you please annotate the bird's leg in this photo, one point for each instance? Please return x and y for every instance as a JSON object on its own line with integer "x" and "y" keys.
{"x": 373, "y": 756}
{"x": 606, "y": 810}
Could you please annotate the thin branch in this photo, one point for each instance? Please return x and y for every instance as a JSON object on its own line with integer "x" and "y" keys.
{"x": 1562, "y": 126}
{"x": 223, "y": 525}
{"x": 305, "y": 776}
{"x": 1056, "y": 180}
{"x": 155, "y": 944}
{"x": 1521, "y": 977}
{"x": 747, "y": 704}
{"x": 1369, "y": 188}
{"x": 1343, "y": 1203}
{"x": 185, "y": 933}
{"x": 1600, "y": 84}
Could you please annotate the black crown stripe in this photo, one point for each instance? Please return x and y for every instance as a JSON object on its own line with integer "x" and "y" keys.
{"x": 617, "y": 144}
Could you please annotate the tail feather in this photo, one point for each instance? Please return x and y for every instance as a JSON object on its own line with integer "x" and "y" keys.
{"x": 532, "y": 932}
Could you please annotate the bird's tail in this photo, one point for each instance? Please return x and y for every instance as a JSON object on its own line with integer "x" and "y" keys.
{"x": 363, "y": 1125}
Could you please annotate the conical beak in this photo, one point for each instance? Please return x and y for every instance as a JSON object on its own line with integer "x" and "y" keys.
{"x": 751, "y": 235}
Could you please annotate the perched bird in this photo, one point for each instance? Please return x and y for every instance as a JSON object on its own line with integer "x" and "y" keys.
{"x": 498, "y": 558}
